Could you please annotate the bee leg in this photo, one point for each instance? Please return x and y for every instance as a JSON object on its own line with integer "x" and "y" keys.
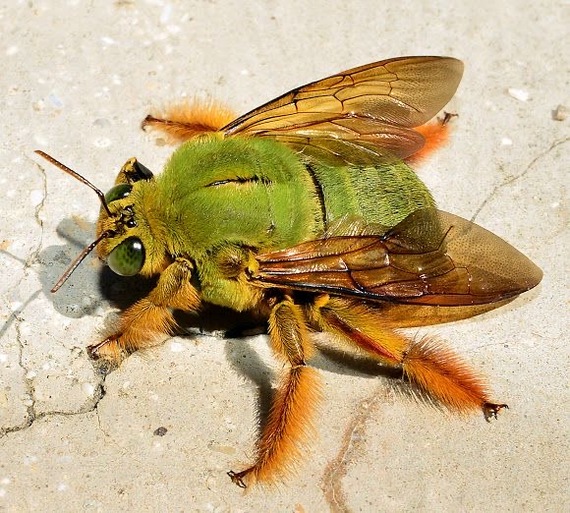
{"x": 429, "y": 365}
{"x": 289, "y": 421}
{"x": 187, "y": 120}
{"x": 435, "y": 135}
{"x": 142, "y": 324}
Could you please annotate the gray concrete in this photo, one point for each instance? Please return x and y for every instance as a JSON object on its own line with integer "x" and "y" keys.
{"x": 77, "y": 78}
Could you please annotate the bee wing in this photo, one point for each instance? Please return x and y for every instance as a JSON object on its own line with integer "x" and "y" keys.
{"x": 352, "y": 115}
{"x": 430, "y": 258}
{"x": 354, "y": 147}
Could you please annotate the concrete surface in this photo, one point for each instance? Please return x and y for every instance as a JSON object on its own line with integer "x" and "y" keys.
{"x": 78, "y": 77}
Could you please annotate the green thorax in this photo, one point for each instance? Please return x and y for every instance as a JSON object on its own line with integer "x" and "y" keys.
{"x": 245, "y": 192}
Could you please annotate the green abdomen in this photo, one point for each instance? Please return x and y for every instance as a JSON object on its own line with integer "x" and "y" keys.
{"x": 382, "y": 195}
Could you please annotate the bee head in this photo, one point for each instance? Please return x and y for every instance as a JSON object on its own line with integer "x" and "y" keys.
{"x": 117, "y": 242}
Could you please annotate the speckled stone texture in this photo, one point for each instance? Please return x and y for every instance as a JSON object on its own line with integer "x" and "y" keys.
{"x": 78, "y": 77}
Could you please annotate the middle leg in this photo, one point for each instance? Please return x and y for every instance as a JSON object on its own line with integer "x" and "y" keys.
{"x": 289, "y": 421}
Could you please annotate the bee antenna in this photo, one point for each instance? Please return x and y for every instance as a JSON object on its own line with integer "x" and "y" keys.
{"x": 78, "y": 176}
{"x": 78, "y": 260}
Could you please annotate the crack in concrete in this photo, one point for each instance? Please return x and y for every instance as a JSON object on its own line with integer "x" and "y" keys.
{"x": 98, "y": 414}
{"x": 31, "y": 259}
{"x": 15, "y": 315}
{"x": 31, "y": 414}
{"x": 513, "y": 179}
{"x": 108, "y": 437}
{"x": 39, "y": 208}
{"x": 351, "y": 447}
{"x": 28, "y": 383}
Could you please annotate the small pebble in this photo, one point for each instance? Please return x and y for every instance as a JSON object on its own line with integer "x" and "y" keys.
{"x": 519, "y": 94}
{"x": 560, "y": 113}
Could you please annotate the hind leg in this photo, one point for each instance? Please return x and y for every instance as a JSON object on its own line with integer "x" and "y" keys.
{"x": 429, "y": 365}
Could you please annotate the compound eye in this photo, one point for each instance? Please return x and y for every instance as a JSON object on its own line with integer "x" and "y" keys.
{"x": 127, "y": 259}
{"x": 118, "y": 192}
{"x": 141, "y": 172}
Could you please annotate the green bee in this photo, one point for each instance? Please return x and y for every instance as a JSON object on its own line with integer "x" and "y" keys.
{"x": 305, "y": 211}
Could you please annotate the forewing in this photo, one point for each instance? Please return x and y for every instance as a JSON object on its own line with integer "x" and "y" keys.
{"x": 361, "y": 115}
{"x": 430, "y": 258}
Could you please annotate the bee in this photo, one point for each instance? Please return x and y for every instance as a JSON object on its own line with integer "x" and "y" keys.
{"x": 306, "y": 211}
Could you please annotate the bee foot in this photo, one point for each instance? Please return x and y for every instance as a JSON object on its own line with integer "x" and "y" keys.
{"x": 237, "y": 477}
{"x": 491, "y": 410}
{"x": 108, "y": 351}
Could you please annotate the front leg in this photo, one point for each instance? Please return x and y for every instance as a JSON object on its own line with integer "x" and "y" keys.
{"x": 149, "y": 319}
{"x": 289, "y": 422}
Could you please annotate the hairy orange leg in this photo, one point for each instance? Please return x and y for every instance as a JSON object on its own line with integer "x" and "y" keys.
{"x": 289, "y": 422}
{"x": 184, "y": 121}
{"x": 436, "y": 135}
{"x": 432, "y": 367}
{"x": 143, "y": 324}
